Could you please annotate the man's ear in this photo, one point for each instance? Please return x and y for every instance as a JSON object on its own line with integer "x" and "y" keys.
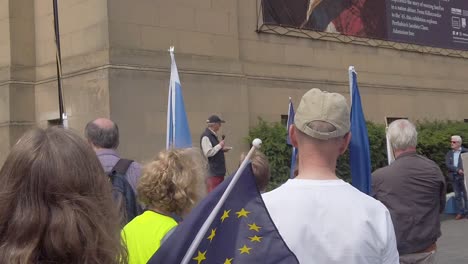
{"x": 293, "y": 135}
{"x": 345, "y": 143}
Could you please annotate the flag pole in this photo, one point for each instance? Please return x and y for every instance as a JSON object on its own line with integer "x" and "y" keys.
{"x": 256, "y": 143}
{"x": 351, "y": 79}
{"x": 58, "y": 56}
{"x": 170, "y": 112}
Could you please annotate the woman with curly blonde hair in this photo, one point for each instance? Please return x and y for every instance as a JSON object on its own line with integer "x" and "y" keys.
{"x": 56, "y": 204}
{"x": 170, "y": 186}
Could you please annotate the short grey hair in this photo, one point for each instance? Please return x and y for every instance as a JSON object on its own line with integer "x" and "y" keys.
{"x": 102, "y": 137}
{"x": 456, "y": 138}
{"x": 402, "y": 134}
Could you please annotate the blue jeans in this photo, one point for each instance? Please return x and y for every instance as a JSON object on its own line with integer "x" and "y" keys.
{"x": 460, "y": 193}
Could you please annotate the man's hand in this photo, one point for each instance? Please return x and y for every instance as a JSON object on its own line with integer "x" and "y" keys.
{"x": 460, "y": 172}
{"x": 226, "y": 149}
{"x": 221, "y": 143}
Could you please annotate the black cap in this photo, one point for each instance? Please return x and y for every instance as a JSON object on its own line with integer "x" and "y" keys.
{"x": 215, "y": 119}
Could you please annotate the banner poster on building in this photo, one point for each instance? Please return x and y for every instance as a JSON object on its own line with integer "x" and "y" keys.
{"x": 435, "y": 23}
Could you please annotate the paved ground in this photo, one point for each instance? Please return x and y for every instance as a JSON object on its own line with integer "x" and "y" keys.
{"x": 452, "y": 246}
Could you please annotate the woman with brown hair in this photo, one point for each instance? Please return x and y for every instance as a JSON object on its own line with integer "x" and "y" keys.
{"x": 170, "y": 187}
{"x": 56, "y": 204}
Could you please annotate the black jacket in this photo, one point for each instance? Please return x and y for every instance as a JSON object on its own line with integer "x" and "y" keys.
{"x": 217, "y": 162}
{"x": 449, "y": 161}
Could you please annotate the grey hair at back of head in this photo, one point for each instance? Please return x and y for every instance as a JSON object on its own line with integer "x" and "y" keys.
{"x": 402, "y": 134}
{"x": 102, "y": 137}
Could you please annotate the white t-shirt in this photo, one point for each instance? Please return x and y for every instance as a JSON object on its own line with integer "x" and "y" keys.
{"x": 330, "y": 221}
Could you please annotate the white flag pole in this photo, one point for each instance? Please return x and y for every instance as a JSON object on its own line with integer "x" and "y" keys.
{"x": 350, "y": 72}
{"x": 170, "y": 96}
{"x": 390, "y": 157}
{"x": 256, "y": 143}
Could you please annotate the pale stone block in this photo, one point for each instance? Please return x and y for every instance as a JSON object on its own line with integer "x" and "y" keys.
{"x": 177, "y": 17}
{"x": 82, "y": 15}
{"x": 22, "y": 42}
{"x": 86, "y": 61}
{"x": 89, "y": 39}
{"x": 47, "y": 106}
{"x": 124, "y": 35}
{"x": 44, "y": 28}
{"x": 4, "y": 142}
{"x": 22, "y": 100}
{"x": 5, "y": 57}
{"x": 45, "y": 51}
{"x": 262, "y": 52}
{"x": 43, "y": 8}
{"x": 4, "y": 9}
{"x": 196, "y": 43}
{"x": 142, "y": 12}
{"x": 201, "y": 4}
{"x": 226, "y": 46}
{"x": 225, "y": 5}
{"x": 23, "y": 9}
{"x": 4, "y": 103}
{"x": 157, "y": 38}
{"x": 213, "y": 21}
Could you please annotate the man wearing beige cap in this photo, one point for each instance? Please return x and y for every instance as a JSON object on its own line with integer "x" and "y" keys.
{"x": 321, "y": 218}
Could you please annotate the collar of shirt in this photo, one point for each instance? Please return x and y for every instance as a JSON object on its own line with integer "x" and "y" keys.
{"x": 214, "y": 133}
{"x": 409, "y": 153}
{"x": 105, "y": 152}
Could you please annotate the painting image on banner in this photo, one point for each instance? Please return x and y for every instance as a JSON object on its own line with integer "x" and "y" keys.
{"x": 435, "y": 23}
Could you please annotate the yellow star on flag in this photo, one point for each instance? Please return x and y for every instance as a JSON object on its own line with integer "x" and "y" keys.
{"x": 254, "y": 227}
{"x": 255, "y": 239}
{"x": 242, "y": 213}
{"x": 201, "y": 257}
{"x": 212, "y": 235}
{"x": 228, "y": 261}
{"x": 244, "y": 250}
{"x": 225, "y": 215}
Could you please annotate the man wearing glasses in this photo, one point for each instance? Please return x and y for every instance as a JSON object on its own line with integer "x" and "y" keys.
{"x": 453, "y": 161}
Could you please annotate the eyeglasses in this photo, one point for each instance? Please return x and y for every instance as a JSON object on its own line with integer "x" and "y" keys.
{"x": 454, "y": 142}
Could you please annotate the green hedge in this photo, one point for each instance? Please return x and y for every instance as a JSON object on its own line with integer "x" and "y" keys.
{"x": 433, "y": 142}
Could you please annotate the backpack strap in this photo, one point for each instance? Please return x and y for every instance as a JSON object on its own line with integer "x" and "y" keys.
{"x": 121, "y": 166}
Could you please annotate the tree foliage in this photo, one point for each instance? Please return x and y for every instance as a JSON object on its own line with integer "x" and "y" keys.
{"x": 433, "y": 142}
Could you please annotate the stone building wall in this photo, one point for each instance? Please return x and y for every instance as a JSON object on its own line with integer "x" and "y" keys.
{"x": 116, "y": 64}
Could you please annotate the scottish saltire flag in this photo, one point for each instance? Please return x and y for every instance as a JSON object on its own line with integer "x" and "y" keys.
{"x": 178, "y": 131}
{"x": 288, "y": 140}
{"x": 359, "y": 151}
{"x": 242, "y": 231}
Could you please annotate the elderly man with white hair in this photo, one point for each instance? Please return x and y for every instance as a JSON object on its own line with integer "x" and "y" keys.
{"x": 454, "y": 164}
{"x": 413, "y": 189}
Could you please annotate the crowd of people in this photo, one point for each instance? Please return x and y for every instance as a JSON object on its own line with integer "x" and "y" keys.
{"x": 65, "y": 199}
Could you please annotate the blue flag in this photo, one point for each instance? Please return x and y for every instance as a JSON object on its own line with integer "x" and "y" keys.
{"x": 178, "y": 131}
{"x": 242, "y": 231}
{"x": 288, "y": 140}
{"x": 360, "y": 161}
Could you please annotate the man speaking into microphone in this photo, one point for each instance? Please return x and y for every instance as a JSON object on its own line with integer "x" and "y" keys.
{"x": 214, "y": 151}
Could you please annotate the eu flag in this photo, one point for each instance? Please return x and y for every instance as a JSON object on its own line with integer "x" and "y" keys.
{"x": 178, "y": 131}
{"x": 360, "y": 161}
{"x": 242, "y": 231}
{"x": 288, "y": 140}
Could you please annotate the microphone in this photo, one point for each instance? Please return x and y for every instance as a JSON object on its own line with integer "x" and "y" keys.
{"x": 223, "y": 137}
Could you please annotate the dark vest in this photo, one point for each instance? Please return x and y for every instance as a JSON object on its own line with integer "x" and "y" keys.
{"x": 216, "y": 163}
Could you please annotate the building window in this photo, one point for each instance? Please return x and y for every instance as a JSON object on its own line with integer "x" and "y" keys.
{"x": 389, "y": 120}
{"x": 53, "y": 122}
{"x": 284, "y": 120}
